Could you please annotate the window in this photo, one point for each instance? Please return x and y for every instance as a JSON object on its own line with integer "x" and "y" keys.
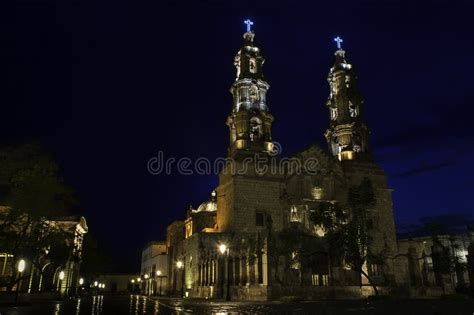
{"x": 376, "y": 269}
{"x": 294, "y": 216}
{"x": 295, "y": 263}
{"x": 259, "y": 219}
{"x": 353, "y": 110}
{"x": 255, "y": 128}
{"x": 317, "y": 193}
{"x": 370, "y": 224}
{"x": 253, "y": 65}
{"x": 333, "y": 113}
{"x": 253, "y": 94}
{"x": 325, "y": 279}
{"x": 319, "y": 280}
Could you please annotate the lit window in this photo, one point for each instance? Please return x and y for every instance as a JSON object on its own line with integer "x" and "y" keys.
{"x": 317, "y": 193}
{"x": 319, "y": 230}
{"x": 353, "y": 110}
{"x": 294, "y": 216}
{"x": 325, "y": 279}
{"x": 376, "y": 269}
{"x": 253, "y": 65}
{"x": 333, "y": 113}
{"x": 295, "y": 265}
{"x": 319, "y": 280}
{"x": 255, "y": 128}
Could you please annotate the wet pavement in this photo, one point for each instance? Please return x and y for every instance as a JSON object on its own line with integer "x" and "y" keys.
{"x": 135, "y": 305}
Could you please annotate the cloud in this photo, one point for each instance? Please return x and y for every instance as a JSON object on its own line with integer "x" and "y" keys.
{"x": 426, "y": 168}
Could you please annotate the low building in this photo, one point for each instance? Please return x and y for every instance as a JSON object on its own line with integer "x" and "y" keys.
{"x": 117, "y": 282}
{"x": 42, "y": 276}
{"x": 438, "y": 262}
{"x": 154, "y": 268}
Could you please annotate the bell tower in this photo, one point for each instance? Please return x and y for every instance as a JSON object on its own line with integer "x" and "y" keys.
{"x": 250, "y": 121}
{"x": 348, "y": 135}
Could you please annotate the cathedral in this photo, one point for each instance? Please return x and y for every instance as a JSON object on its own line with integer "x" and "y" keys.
{"x": 255, "y": 239}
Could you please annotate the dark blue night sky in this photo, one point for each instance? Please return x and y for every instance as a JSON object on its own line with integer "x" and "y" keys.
{"x": 105, "y": 85}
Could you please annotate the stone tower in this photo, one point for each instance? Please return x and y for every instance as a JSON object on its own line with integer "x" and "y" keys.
{"x": 348, "y": 140}
{"x": 347, "y": 135}
{"x": 247, "y": 198}
{"x": 250, "y": 121}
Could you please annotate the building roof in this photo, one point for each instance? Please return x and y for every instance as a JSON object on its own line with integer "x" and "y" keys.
{"x": 208, "y": 205}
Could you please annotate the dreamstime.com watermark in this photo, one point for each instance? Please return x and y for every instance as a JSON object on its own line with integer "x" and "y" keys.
{"x": 260, "y": 164}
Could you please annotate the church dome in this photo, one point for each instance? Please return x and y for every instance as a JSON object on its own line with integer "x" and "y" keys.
{"x": 209, "y": 205}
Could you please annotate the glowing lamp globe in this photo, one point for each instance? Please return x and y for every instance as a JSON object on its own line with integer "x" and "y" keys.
{"x": 222, "y": 248}
{"x": 21, "y": 265}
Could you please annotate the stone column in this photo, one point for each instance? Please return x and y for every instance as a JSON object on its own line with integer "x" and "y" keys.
{"x": 257, "y": 272}
{"x": 237, "y": 270}
{"x": 199, "y": 274}
{"x": 243, "y": 270}
{"x": 265, "y": 268}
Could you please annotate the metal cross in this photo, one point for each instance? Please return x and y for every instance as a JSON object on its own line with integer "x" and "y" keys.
{"x": 338, "y": 40}
{"x": 249, "y": 25}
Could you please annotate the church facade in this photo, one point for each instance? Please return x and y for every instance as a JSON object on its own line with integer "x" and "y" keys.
{"x": 255, "y": 239}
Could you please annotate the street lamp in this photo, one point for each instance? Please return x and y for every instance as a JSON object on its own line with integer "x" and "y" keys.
{"x": 224, "y": 250}
{"x": 61, "y": 278}
{"x": 96, "y": 283}
{"x": 21, "y": 268}
{"x": 180, "y": 265}
{"x": 133, "y": 285}
{"x": 81, "y": 281}
{"x": 146, "y": 284}
{"x": 160, "y": 276}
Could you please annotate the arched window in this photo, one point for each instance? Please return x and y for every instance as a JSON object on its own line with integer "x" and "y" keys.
{"x": 255, "y": 128}
{"x": 294, "y": 215}
{"x": 333, "y": 113}
{"x": 353, "y": 110}
{"x": 253, "y": 65}
{"x": 233, "y": 133}
{"x": 254, "y": 94}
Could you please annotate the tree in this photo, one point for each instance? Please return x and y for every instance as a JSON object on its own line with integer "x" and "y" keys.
{"x": 348, "y": 228}
{"x": 32, "y": 195}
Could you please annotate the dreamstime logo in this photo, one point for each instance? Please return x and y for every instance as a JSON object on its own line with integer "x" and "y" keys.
{"x": 258, "y": 164}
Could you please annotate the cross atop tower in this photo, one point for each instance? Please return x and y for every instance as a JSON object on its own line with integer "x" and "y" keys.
{"x": 338, "y": 40}
{"x": 249, "y": 25}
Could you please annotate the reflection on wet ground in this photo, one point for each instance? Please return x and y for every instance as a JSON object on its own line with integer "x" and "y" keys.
{"x": 93, "y": 305}
{"x": 139, "y": 305}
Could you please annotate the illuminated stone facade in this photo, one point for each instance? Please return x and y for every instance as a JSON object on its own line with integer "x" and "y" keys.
{"x": 261, "y": 194}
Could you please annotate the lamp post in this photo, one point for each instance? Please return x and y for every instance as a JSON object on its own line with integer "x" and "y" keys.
{"x": 21, "y": 268}
{"x": 61, "y": 278}
{"x": 139, "y": 285}
{"x": 81, "y": 283}
{"x": 180, "y": 265}
{"x": 160, "y": 276}
{"x": 147, "y": 284}
{"x": 224, "y": 250}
